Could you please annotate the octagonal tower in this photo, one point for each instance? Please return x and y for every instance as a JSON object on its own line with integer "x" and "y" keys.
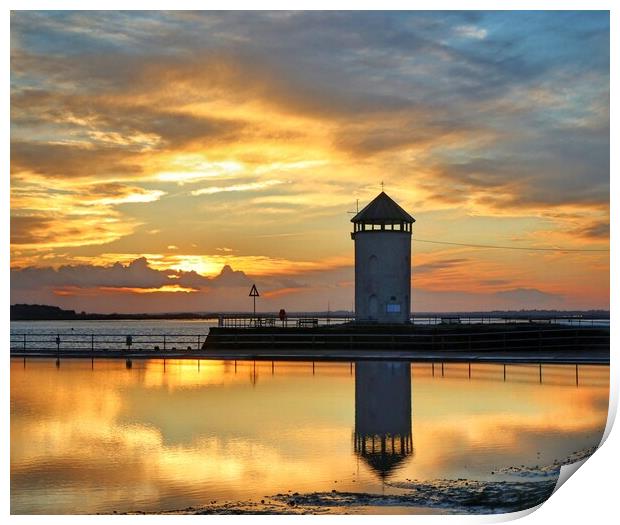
{"x": 382, "y": 235}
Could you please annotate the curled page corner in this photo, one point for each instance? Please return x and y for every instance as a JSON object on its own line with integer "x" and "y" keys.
{"x": 566, "y": 471}
{"x": 612, "y": 407}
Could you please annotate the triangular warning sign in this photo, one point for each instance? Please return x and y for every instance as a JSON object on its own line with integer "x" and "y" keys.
{"x": 254, "y": 291}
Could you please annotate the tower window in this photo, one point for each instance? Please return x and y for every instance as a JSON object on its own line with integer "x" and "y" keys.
{"x": 373, "y": 264}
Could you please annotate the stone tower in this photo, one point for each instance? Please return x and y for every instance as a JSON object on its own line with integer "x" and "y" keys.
{"x": 382, "y": 235}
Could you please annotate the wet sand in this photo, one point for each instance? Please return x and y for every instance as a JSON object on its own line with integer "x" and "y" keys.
{"x": 433, "y": 497}
{"x": 529, "y": 486}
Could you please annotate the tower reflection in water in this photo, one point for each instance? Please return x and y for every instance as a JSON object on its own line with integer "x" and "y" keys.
{"x": 382, "y": 434}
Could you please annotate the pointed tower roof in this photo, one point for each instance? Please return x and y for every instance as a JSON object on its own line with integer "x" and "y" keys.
{"x": 384, "y": 463}
{"x": 382, "y": 208}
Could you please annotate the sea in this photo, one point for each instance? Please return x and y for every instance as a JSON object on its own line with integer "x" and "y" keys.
{"x": 232, "y": 436}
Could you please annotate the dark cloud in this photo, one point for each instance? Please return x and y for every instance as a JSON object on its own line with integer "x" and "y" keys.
{"x": 109, "y": 125}
{"x": 137, "y": 274}
{"x": 438, "y": 265}
{"x": 494, "y": 282}
{"x": 205, "y": 74}
{"x": 481, "y": 172}
{"x": 230, "y": 277}
{"x": 387, "y": 82}
{"x": 413, "y": 128}
{"x": 70, "y": 160}
{"x": 29, "y": 229}
{"x": 533, "y": 297}
{"x": 598, "y": 230}
{"x": 551, "y": 179}
{"x": 45, "y": 231}
{"x": 327, "y": 48}
{"x": 104, "y": 288}
{"x": 511, "y": 299}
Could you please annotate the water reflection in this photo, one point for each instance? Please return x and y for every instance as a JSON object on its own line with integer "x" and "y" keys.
{"x": 99, "y": 437}
{"x": 382, "y": 436}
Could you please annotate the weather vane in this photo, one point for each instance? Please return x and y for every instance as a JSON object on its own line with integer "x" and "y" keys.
{"x": 381, "y": 185}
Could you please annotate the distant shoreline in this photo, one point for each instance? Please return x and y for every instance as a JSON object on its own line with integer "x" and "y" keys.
{"x": 36, "y": 312}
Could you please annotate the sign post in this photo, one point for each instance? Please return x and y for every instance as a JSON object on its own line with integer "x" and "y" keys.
{"x": 254, "y": 294}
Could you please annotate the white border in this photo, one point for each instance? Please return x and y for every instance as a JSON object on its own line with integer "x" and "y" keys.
{"x": 588, "y": 497}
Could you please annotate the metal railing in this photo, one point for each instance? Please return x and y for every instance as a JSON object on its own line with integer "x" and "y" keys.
{"x": 269, "y": 320}
{"x": 308, "y": 319}
{"x": 458, "y": 319}
{"x": 88, "y": 342}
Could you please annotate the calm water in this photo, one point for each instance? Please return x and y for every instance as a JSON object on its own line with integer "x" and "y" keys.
{"x": 110, "y": 334}
{"x": 168, "y": 435}
{"x": 154, "y": 327}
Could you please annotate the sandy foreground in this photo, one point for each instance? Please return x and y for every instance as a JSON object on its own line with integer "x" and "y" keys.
{"x": 529, "y": 486}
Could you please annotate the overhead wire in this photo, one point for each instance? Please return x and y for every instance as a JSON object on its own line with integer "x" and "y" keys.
{"x": 526, "y": 248}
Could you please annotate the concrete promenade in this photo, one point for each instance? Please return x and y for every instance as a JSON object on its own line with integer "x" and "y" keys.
{"x": 281, "y": 354}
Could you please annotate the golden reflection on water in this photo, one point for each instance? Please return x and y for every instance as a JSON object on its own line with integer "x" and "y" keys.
{"x": 169, "y": 434}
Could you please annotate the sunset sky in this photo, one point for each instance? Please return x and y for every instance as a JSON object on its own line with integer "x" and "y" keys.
{"x": 166, "y": 161}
